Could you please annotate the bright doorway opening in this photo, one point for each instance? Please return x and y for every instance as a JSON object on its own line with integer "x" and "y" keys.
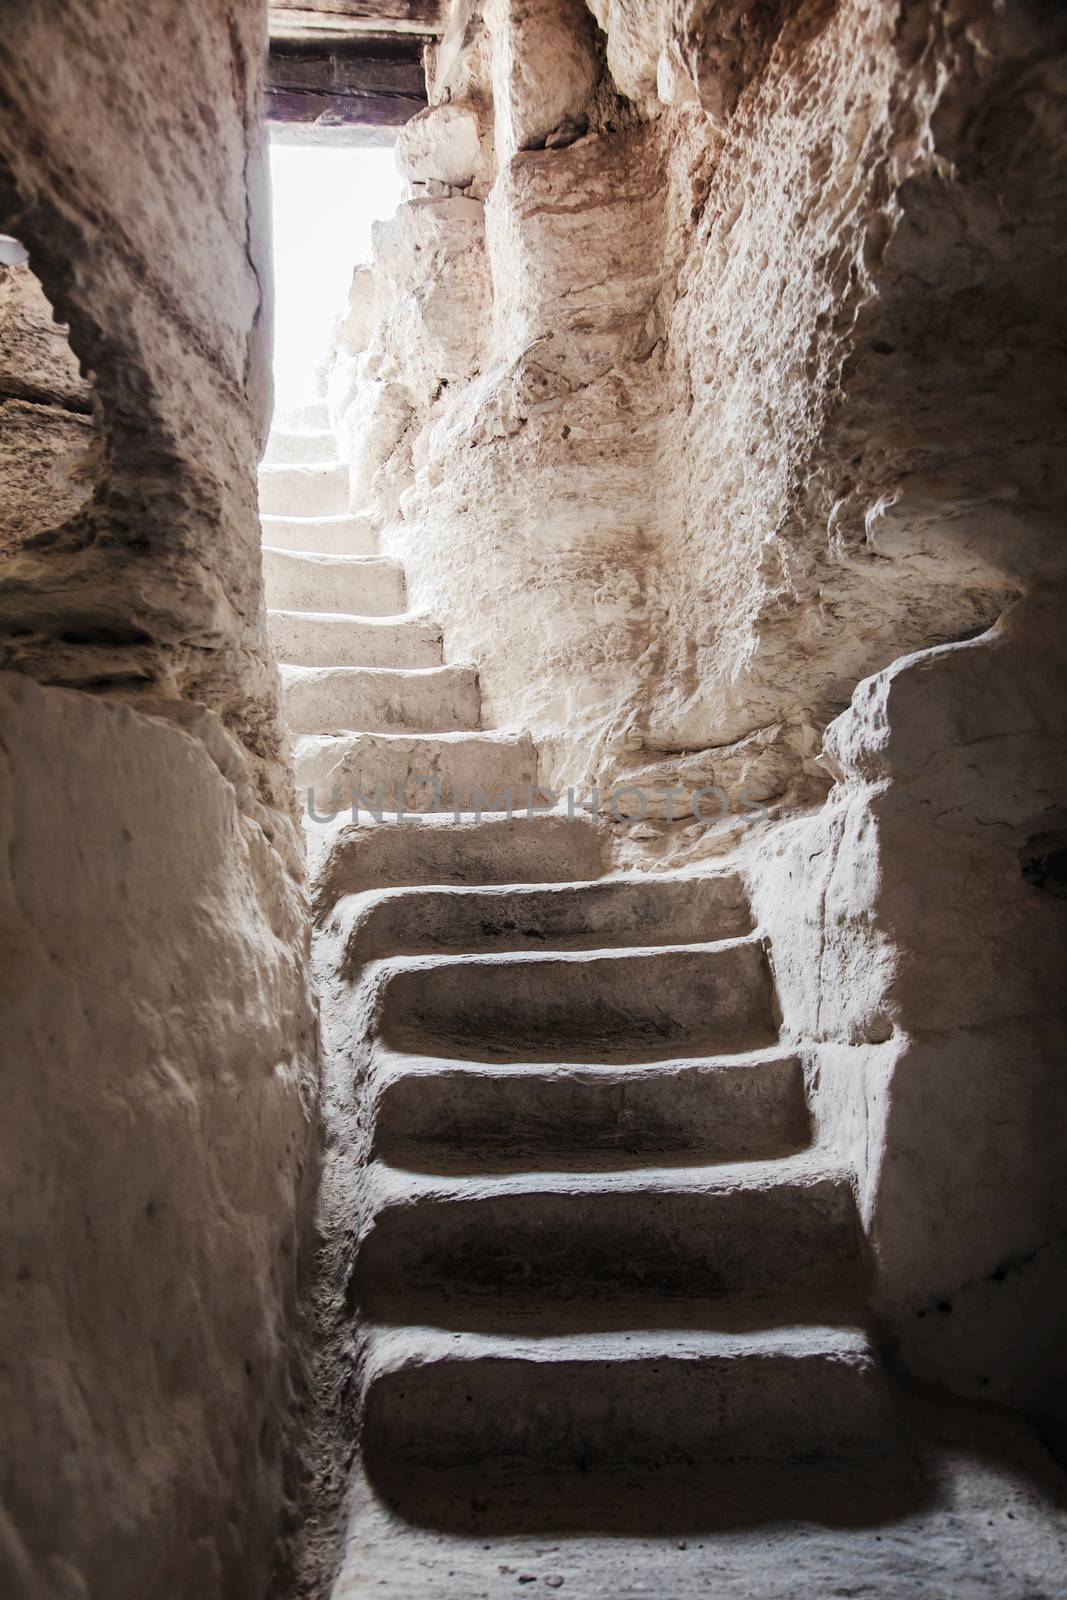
{"x": 326, "y": 199}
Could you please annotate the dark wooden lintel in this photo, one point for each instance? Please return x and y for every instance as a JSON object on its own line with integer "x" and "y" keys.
{"x": 377, "y": 83}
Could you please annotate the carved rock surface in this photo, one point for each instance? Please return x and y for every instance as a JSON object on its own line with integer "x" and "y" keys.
{"x": 920, "y": 926}
{"x": 776, "y": 363}
{"x": 440, "y": 143}
{"x": 159, "y": 1061}
{"x": 151, "y": 249}
{"x": 46, "y": 468}
{"x": 159, "y": 1034}
{"x": 759, "y": 438}
{"x": 36, "y": 361}
{"x": 544, "y": 69}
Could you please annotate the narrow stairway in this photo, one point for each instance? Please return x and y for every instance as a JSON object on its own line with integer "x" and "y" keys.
{"x": 594, "y": 1228}
{"x": 595, "y": 1288}
{"x": 596, "y": 1283}
{"x": 595, "y": 1232}
{"x": 370, "y": 704}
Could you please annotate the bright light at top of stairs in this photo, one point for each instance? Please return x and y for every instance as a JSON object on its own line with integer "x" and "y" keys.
{"x": 325, "y": 200}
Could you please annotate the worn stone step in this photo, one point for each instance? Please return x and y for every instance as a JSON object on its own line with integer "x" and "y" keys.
{"x": 641, "y": 909}
{"x": 332, "y": 639}
{"x": 379, "y": 699}
{"x": 454, "y": 1116}
{"x": 413, "y": 772}
{"x": 524, "y": 1317}
{"x": 349, "y": 857}
{"x": 311, "y": 489}
{"x": 750, "y": 1229}
{"x": 289, "y": 445}
{"x": 329, "y": 536}
{"x": 589, "y": 1006}
{"x": 621, "y": 1398}
{"x": 312, "y": 414}
{"x": 366, "y": 586}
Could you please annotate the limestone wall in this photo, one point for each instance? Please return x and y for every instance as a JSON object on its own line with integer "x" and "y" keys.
{"x": 46, "y": 429}
{"x": 729, "y": 360}
{"x": 135, "y": 178}
{"x": 157, "y": 1042}
{"x": 919, "y": 928}
{"x": 719, "y": 397}
{"x": 159, "y": 1045}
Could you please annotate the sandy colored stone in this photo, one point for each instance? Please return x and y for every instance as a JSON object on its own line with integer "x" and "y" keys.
{"x": 762, "y": 361}
{"x": 160, "y": 1074}
{"x": 36, "y": 361}
{"x": 141, "y": 199}
{"x": 760, "y": 441}
{"x": 367, "y": 297}
{"x": 544, "y": 68}
{"x": 441, "y": 142}
{"x": 159, "y": 1033}
{"x": 716, "y": 421}
{"x": 47, "y": 466}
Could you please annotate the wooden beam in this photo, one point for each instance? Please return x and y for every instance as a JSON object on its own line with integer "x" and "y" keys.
{"x": 349, "y": 19}
{"x": 376, "y": 84}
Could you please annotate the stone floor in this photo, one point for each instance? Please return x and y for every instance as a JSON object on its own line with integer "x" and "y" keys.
{"x": 975, "y": 1509}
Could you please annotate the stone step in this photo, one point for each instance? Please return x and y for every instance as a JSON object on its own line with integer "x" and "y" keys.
{"x": 642, "y": 909}
{"x": 289, "y": 445}
{"x": 332, "y": 639}
{"x": 454, "y": 1116}
{"x": 379, "y": 699}
{"x": 622, "y": 1398}
{"x": 587, "y": 1006}
{"x": 312, "y": 489}
{"x": 751, "y": 1229}
{"x": 365, "y": 586}
{"x": 351, "y": 857}
{"x": 313, "y": 414}
{"x": 328, "y": 536}
{"x": 415, "y": 772}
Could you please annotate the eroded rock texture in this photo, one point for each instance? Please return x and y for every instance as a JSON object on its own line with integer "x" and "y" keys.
{"x": 919, "y": 925}
{"x": 756, "y": 364}
{"x": 47, "y": 459}
{"x": 158, "y": 1035}
{"x": 145, "y": 574}
{"x": 712, "y": 406}
{"x": 157, "y": 1039}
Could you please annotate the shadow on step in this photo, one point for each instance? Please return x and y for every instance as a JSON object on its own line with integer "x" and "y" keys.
{"x": 457, "y": 1161}
{"x": 959, "y": 1459}
{"x": 667, "y": 1502}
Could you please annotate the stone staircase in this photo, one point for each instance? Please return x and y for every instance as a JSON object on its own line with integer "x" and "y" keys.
{"x": 592, "y": 1230}
{"x": 367, "y": 696}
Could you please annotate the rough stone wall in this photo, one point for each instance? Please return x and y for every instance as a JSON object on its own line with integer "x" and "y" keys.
{"x": 159, "y": 1036}
{"x": 962, "y": 752}
{"x": 857, "y": 353}
{"x": 46, "y": 431}
{"x": 135, "y": 177}
{"x": 919, "y": 927}
{"x": 757, "y": 343}
{"x": 761, "y": 435}
{"x": 158, "y": 1042}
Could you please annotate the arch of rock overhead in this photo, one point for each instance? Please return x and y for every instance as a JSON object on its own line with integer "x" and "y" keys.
{"x": 625, "y": 1192}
